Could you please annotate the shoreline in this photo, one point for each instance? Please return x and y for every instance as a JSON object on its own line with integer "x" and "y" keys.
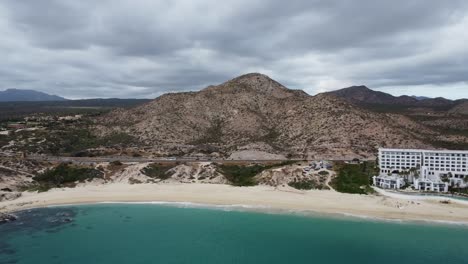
{"x": 265, "y": 210}
{"x": 258, "y": 198}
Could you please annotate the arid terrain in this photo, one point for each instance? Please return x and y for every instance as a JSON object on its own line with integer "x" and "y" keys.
{"x": 250, "y": 131}
{"x": 257, "y": 114}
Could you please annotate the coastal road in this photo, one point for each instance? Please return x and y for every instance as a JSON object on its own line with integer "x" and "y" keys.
{"x": 137, "y": 159}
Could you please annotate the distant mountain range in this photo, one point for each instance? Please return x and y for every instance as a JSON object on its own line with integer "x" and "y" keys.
{"x": 16, "y": 95}
{"x": 363, "y": 96}
{"x": 420, "y": 97}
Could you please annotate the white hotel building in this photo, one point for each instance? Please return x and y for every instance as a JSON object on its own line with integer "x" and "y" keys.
{"x": 429, "y": 167}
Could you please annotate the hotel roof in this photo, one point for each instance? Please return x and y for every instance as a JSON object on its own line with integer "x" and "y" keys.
{"x": 426, "y": 150}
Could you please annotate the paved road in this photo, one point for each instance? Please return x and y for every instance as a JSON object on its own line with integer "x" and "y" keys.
{"x": 136, "y": 159}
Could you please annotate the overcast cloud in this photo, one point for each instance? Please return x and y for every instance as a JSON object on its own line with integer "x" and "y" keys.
{"x": 143, "y": 48}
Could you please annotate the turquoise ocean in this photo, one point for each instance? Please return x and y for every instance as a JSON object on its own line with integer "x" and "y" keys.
{"x": 157, "y": 233}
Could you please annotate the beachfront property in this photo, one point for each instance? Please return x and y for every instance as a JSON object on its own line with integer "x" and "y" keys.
{"x": 425, "y": 170}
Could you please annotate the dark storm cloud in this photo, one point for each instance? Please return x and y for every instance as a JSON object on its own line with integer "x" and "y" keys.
{"x": 145, "y": 48}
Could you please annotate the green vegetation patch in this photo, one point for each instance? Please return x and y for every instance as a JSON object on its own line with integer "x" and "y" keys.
{"x": 60, "y": 138}
{"x": 323, "y": 173}
{"x": 304, "y": 185}
{"x": 241, "y": 175}
{"x": 354, "y": 178}
{"x": 65, "y": 174}
{"x": 158, "y": 171}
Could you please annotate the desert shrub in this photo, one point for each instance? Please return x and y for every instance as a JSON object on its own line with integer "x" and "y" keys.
{"x": 116, "y": 163}
{"x": 354, "y": 178}
{"x": 303, "y": 184}
{"x": 134, "y": 181}
{"x": 157, "y": 170}
{"x": 243, "y": 175}
{"x": 65, "y": 174}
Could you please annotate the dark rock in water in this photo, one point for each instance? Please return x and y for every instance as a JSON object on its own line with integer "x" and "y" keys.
{"x": 5, "y": 218}
{"x": 63, "y": 214}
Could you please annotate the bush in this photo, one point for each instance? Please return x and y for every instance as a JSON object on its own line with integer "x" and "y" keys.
{"x": 134, "y": 181}
{"x": 157, "y": 170}
{"x": 116, "y": 163}
{"x": 303, "y": 184}
{"x": 65, "y": 173}
{"x": 240, "y": 175}
{"x": 354, "y": 178}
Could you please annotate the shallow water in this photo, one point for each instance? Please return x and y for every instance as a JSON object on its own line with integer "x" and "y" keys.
{"x": 149, "y": 233}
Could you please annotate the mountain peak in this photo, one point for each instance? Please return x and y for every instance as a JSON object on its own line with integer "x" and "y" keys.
{"x": 364, "y": 96}
{"x": 359, "y": 87}
{"x": 256, "y": 83}
{"x": 256, "y": 80}
{"x": 252, "y": 75}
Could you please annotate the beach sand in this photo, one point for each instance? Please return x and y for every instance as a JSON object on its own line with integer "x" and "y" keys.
{"x": 328, "y": 202}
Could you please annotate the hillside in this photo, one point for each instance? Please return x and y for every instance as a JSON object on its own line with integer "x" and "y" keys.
{"x": 16, "y": 95}
{"x": 255, "y": 113}
{"x": 18, "y": 110}
{"x": 461, "y": 108}
{"x": 446, "y": 117}
{"x": 363, "y": 96}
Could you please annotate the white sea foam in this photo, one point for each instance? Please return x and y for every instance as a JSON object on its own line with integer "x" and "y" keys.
{"x": 271, "y": 210}
{"x": 228, "y": 207}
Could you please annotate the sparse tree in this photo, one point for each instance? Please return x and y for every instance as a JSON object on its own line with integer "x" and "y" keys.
{"x": 444, "y": 178}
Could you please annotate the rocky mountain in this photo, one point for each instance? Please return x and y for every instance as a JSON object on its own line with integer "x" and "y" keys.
{"x": 420, "y": 97}
{"x": 461, "y": 108}
{"x": 14, "y": 95}
{"x": 361, "y": 95}
{"x": 253, "y": 113}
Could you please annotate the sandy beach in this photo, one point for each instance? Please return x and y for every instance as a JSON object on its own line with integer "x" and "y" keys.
{"x": 329, "y": 202}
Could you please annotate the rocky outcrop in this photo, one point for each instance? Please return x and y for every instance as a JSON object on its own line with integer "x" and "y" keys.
{"x": 5, "y": 218}
{"x": 461, "y": 108}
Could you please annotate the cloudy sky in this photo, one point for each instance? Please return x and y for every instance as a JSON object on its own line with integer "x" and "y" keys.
{"x": 143, "y": 48}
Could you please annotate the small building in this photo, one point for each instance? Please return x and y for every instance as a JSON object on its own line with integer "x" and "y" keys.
{"x": 388, "y": 182}
{"x": 430, "y": 186}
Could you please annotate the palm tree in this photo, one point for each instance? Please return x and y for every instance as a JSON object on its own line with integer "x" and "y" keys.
{"x": 413, "y": 171}
{"x": 444, "y": 178}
